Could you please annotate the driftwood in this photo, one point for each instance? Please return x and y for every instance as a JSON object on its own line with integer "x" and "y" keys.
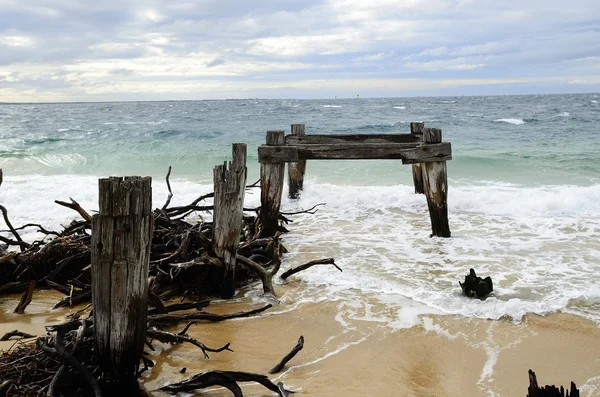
{"x": 549, "y": 391}
{"x": 288, "y": 356}
{"x": 183, "y": 264}
{"x": 326, "y": 261}
{"x": 74, "y": 205}
{"x": 476, "y": 287}
{"x": 176, "y": 318}
{"x": 168, "y": 337}
{"x": 227, "y": 379}
{"x": 26, "y": 298}
{"x": 21, "y": 335}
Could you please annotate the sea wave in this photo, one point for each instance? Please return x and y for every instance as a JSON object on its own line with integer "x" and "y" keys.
{"x": 332, "y": 106}
{"x": 510, "y": 121}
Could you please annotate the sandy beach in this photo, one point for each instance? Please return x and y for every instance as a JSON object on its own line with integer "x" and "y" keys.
{"x": 440, "y": 356}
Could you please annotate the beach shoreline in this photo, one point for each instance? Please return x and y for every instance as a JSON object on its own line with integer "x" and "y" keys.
{"x": 443, "y": 355}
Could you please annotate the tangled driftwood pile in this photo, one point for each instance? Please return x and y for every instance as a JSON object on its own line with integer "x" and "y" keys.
{"x": 183, "y": 272}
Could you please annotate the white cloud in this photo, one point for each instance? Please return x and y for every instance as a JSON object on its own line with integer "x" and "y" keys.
{"x": 81, "y": 48}
{"x": 16, "y": 41}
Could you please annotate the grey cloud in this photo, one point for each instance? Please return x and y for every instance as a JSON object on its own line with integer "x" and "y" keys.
{"x": 343, "y": 38}
{"x": 215, "y": 62}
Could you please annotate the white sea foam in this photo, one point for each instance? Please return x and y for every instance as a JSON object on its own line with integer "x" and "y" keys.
{"x": 332, "y": 106}
{"x": 541, "y": 245}
{"x": 594, "y": 101}
{"x": 510, "y": 121}
{"x": 399, "y": 107}
{"x": 538, "y": 244}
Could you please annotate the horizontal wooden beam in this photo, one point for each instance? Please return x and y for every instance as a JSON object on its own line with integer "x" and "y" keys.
{"x": 352, "y": 138}
{"x": 277, "y": 154}
{"x": 409, "y": 153}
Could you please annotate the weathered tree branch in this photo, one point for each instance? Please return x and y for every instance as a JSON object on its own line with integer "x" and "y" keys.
{"x": 326, "y": 261}
{"x": 168, "y": 337}
{"x": 26, "y": 298}
{"x": 164, "y": 207}
{"x": 21, "y": 335}
{"x": 74, "y": 205}
{"x": 288, "y": 356}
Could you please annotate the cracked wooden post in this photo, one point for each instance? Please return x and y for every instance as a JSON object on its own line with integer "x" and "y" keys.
{"x": 229, "y": 185}
{"x": 435, "y": 183}
{"x": 271, "y": 188}
{"x": 120, "y": 254}
{"x": 296, "y": 170}
{"x": 417, "y": 129}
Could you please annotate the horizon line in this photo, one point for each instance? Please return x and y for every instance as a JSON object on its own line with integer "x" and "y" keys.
{"x": 285, "y": 99}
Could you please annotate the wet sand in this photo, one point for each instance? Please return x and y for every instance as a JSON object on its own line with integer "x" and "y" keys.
{"x": 447, "y": 356}
{"x": 347, "y": 355}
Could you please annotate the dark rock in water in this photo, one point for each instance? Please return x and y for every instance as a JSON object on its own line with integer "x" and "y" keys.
{"x": 476, "y": 287}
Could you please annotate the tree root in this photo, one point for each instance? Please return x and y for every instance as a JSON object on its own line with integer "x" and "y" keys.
{"x": 227, "y": 379}
{"x": 21, "y": 335}
{"x": 326, "y": 261}
{"x": 288, "y": 356}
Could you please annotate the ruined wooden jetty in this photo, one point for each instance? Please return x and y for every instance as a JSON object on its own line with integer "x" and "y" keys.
{"x": 423, "y": 148}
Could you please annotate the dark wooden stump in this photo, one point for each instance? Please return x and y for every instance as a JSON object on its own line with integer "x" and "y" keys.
{"x": 549, "y": 391}
{"x": 120, "y": 252}
{"x": 271, "y": 188}
{"x": 417, "y": 129}
{"x": 229, "y": 185}
{"x": 296, "y": 170}
{"x": 435, "y": 183}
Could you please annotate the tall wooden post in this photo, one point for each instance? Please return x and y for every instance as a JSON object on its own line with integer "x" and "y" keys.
{"x": 230, "y": 185}
{"x": 296, "y": 170}
{"x": 271, "y": 188}
{"x": 417, "y": 130}
{"x": 435, "y": 182}
{"x": 120, "y": 251}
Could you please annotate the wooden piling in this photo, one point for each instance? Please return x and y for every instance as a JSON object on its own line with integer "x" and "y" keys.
{"x": 271, "y": 185}
{"x": 120, "y": 253}
{"x": 435, "y": 183}
{"x": 296, "y": 170}
{"x": 417, "y": 130}
{"x": 229, "y": 188}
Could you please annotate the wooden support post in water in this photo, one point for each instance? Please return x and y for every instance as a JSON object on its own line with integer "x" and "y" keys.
{"x": 435, "y": 183}
{"x": 417, "y": 129}
{"x": 271, "y": 188}
{"x": 230, "y": 185}
{"x": 296, "y": 170}
{"x": 120, "y": 251}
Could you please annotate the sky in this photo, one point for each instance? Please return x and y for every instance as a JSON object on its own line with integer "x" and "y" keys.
{"x": 103, "y": 50}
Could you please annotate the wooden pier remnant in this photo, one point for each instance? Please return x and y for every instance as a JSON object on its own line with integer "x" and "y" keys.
{"x": 435, "y": 184}
{"x": 271, "y": 185}
{"x": 120, "y": 253}
{"x": 417, "y": 129}
{"x": 423, "y": 148}
{"x": 297, "y": 169}
{"x": 229, "y": 188}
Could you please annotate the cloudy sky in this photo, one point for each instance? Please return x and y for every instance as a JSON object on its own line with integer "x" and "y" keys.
{"x": 76, "y": 50}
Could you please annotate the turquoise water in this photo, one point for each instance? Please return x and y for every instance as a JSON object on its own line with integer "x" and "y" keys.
{"x": 526, "y": 139}
{"x": 524, "y": 188}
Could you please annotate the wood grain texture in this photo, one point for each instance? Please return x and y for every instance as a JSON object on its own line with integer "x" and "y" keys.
{"x": 277, "y": 154}
{"x": 416, "y": 129}
{"x": 351, "y": 138}
{"x": 435, "y": 182}
{"x": 410, "y": 153}
{"x": 120, "y": 252}
{"x": 229, "y": 188}
{"x": 296, "y": 170}
{"x": 271, "y": 184}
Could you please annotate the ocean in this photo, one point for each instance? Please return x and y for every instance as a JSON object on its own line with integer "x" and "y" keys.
{"x": 524, "y": 193}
